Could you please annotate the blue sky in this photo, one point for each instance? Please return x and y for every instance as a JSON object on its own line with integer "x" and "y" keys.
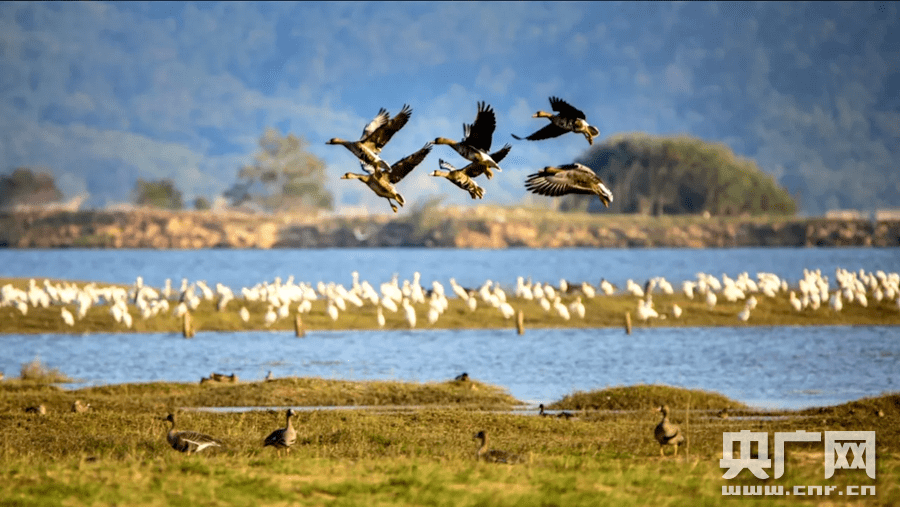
{"x": 101, "y": 94}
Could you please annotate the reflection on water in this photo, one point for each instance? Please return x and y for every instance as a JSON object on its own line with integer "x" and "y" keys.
{"x": 764, "y": 367}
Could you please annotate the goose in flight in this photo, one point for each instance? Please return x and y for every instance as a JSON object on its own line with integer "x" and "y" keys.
{"x": 382, "y": 182}
{"x": 459, "y": 178}
{"x": 477, "y": 137}
{"x": 375, "y": 135}
{"x": 475, "y": 169}
{"x": 568, "y": 179}
{"x": 568, "y": 119}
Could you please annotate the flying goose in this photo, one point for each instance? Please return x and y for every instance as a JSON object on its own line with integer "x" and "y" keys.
{"x": 375, "y": 135}
{"x": 569, "y": 119}
{"x": 568, "y": 179}
{"x": 476, "y": 138}
{"x": 382, "y": 182}
{"x": 459, "y": 178}
{"x": 475, "y": 169}
{"x": 189, "y": 441}
{"x": 667, "y": 433}
{"x": 493, "y": 455}
{"x": 283, "y": 438}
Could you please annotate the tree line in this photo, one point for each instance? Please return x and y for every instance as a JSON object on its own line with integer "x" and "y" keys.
{"x": 647, "y": 175}
{"x": 656, "y": 175}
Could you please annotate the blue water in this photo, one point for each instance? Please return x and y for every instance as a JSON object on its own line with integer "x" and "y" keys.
{"x": 244, "y": 268}
{"x": 764, "y": 367}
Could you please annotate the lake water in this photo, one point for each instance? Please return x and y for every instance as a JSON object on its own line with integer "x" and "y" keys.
{"x": 764, "y": 367}
{"x": 244, "y": 268}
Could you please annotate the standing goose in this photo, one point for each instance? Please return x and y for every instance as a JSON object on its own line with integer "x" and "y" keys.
{"x": 283, "y": 438}
{"x": 667, "y": 433}
{"x": 189, "y": 441}
{"x": 476, "y": 138}
{"x": 459, "y": 178}
{"x": 375, "y": 135}
{"x": 493, "y": 455}
{"x": 569, "y": 119}
{"x": 568, "y": 179}
{"x": 382, "y": 182}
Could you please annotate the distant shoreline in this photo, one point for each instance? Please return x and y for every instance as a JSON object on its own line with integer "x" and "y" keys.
{"x": 475, "y": 227}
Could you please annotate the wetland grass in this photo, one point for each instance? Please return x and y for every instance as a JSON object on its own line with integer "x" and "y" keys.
{"x": 117, "y": 453}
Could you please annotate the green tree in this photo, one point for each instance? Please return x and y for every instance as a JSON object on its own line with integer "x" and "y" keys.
{"x": 680, "y": 175}
{"x": 202, "y": 204}
{"x": 157, "y": 194}
{"x": 26, "y": 187}
{"x": 283, "y": 176}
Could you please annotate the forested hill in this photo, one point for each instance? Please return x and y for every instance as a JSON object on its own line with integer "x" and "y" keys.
{"x": 680, "y": 175}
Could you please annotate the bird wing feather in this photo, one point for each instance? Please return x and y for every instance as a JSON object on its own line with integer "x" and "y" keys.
{"x": 480, "y": 133}
{"x": 549, "y": 131}
{"x": 383, "y": 133}
{"x": 565, "y": 109}
{"x": 403, "y": 167}
{"x": 380, "y": 119}
{"x": 501, "y": 153}
{"x": 567, "y": 179}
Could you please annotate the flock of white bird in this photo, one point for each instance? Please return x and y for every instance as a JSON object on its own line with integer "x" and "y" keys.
{"x": 286, "y": 298}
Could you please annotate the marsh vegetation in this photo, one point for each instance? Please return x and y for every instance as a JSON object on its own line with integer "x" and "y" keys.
{"x": 420, "y": 455}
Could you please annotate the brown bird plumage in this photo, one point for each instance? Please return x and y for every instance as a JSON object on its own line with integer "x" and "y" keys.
{"x": 568, "y": 119}
{"x": 667, "y": 433}
{"x": 283, "y": 438}
{"x": 375, "y": 135}
{"x": 493, "y": 455}
{"x": 189, "y": 441}
{"x": 568, "y": 179}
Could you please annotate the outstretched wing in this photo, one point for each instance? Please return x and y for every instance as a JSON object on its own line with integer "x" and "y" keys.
{"x": 385, "y": 132}
{"x": 549, "y": 131}
{"x": 380, "y": 119}
{"x": 407, "y": 164}
{"x": 564, "y": 109}
{"x": 555, "y": 181}
{"x": 191, "y": 439}
{"x": 501, "y": 153}
{"x": 479, "y": 134}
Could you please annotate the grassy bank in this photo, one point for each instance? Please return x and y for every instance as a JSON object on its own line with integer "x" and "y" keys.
{"x": 600, "y": 311}
{"x": 116, "y": 453}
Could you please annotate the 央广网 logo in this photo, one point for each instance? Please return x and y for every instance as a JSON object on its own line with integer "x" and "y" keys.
{"x": 840, "y": 446}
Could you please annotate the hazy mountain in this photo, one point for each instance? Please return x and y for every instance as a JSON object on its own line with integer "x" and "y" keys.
{"x": 105, "y": 93}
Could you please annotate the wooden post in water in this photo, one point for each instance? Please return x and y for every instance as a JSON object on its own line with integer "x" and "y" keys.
{"x": 520, "y": 322}
{"x": 687, "y": 428}
{"x": 628, "y": 322}
{"x": 299, "y": 331}
{"x": 187, "y": 325}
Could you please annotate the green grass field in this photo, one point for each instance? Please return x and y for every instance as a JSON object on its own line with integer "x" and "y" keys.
{"x": 421, "y": 453}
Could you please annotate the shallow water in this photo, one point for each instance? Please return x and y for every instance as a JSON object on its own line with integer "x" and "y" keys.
{"x": 765, "y": 367}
